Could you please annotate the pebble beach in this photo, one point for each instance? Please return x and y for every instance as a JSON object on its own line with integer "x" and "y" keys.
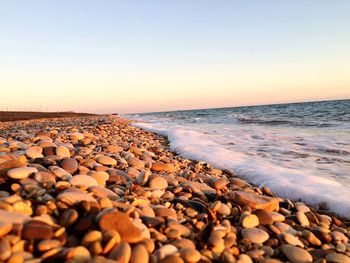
{"x": 97, "y": 189}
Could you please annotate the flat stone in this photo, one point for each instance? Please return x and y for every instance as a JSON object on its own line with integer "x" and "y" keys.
{"x": 293, "y": 240}
{"x": 5, "y": 165}
{"x": 201, "y": 187}
{"x": 158, "y": 182}
{"x": 80, "y": 254}
{"x": 60, "y": 172}
{"x": 62, "y": 151}
{"x": 5, "y": 228}
{"x": 34, "y": 152}
{"x": 166, "y": 250}
{"x": 37, "y": 230}
{"x": 256, "y": 201}
{"x": 296, "y": 254}
{"x": 21, "y": 172}
{"x": 73, "y": 196}
{"x": 120, "y": 222}
{"x": 255, "y": 235}
{"x": 338, "y": 258}
{"x": 160, "y": 167}
{"x": 44, "y": 177}
{"x": 165, "y": 212}
{"x": 85, "y": 180}
{"x": 45, "y": 245}
{"x": 105, "y": 160}
{"x": 101, "y": 177}
{"x": 5, "y": 250}
{"x": 102, "y": 192}
{"x": 13, "y": 217}
{"x": 224, "y": 209}
{"x": 137, "y": 163}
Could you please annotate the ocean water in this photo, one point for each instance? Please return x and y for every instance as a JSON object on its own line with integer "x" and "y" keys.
{"x": 301, "y": 151}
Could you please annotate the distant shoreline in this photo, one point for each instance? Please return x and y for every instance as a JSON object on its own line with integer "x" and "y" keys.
{"x": 30, "y": 115}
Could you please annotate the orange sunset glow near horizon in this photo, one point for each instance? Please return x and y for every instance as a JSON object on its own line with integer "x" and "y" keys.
{"x": 123, "y": 57}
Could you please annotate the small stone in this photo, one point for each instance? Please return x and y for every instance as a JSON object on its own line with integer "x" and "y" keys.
{"x": 62, "y": 151}
{"x": 44, "y": 178}
{"x": 21, "y": 172}
{"x": 171, "y": 259}
{"x": 311, "y": 238}
{"x": 121, "y": 253}
{"x": 120, "y": 222}
{"x": 158, "y": 182}
{"x": 34, "y": 152}
{"x": 255, "y": 235}
{"x": 296, "y": 254}
{"x": 303, "y": 220}
{"x": 91, "y": 237}
{"x": 165, "y": 212}
{"x": 82, "y": 180}
{"x": 250, "y": 221}
{"x": 105, "y": 160}
{"x": 256, "y": 201}
{"x": 13, "y": 217}
{"x": 339, "y": 237}
{"x": 139, "y": 254}
{"x": 244, "y": 258}
{"x": 160, "y": 166}
{"x": 190, "y": 255}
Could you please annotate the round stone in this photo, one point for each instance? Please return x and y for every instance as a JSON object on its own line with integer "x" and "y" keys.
{"x": 34, "y": 152}
{"x": 121, "y": 253}
{"x": 158, "y": 182}
{"x": 338, "y": 258}
{"x": 220, "y": 183}
{"x": 166, "y": 250}
{"x": 81, "y": 179}
{"x": 190, "y": 255}
{"x": 62, "y": 151}
{"x": 80, "y": 255}
{"x": 44, "y": 177}
{"x": 70, "y": 165}
{"x": 224, "y": 210}
{"x": 250, "y": 221}
{"x": 21, "y": 172}
{"x": 255, "y": 235}
{"x": 296, "y": 254}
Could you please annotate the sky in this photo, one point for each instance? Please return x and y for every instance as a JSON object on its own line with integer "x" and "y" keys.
{"x": 141, "y": 56}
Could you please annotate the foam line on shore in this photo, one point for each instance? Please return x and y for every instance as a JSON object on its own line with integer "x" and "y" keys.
{"x": 285, "y": 182}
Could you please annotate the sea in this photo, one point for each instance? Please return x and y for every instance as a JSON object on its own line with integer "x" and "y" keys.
{"x": 301, "y": 151}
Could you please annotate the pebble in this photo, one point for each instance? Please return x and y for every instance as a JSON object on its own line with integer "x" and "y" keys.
{"x": 80, "y": 179}
{"x": 70, "y": 165}
{"x": 250, "y": 221}
{"x": 45, "y": 245}
{"x": 220, "y": 183}
{"x": 73, "y": 196}
{"x": 264, "y": 217}
{"x": 303, "y": 220}
{"x": 296, "y": 254}
{"x": 5, "y": 249}
{"x": 166, "y": 250}
{"x": 62, "y": 151}
{"x": 121, "y": 253}
{"x": 34, "y": 152}
{"x": 338, "y": 258}
{"x": 105, "y": 160}
{"x": 159, "y": 167}
{"x": 190, "y": 255}
{"x": 139, "y": 254}
{"x": 21, "y": 172}
{"x": 255, "y": 235}
{"x": 256, "y": 201}
{"x": 158, "y": 182}
{"x": 80, "y": 255}
{"x": 293, "y": 240}
{"x": 120, "y": 222}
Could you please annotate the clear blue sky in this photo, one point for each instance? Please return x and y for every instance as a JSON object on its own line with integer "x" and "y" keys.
{"x": 125, "y": 56}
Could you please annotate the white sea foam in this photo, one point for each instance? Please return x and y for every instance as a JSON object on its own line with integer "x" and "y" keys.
{"x": 300, "y": 178}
